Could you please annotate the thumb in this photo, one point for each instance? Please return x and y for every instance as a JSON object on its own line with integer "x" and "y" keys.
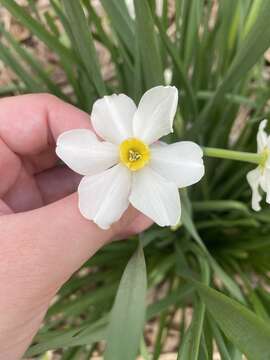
{"x": 50, "y": 243}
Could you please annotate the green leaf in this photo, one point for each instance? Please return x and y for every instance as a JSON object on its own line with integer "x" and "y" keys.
{"x": 192, "y": 338}
{"x": 9, "y": 59}
{"x": 184, "y": 81}
{"x": 246, "y": 330}
{"x": 220, "y": 206}
{"x": 220, "y": 341}
{"x": 191, "y": 41}
{"x": 34, "y": 64}
{"x": 128, "y": 313}
{"x": 84, "y": 43}
{"x": 51, "y": 24}
{"x": 175, "y": 297}
{"x": 85, "y": 335}
{"x": 148, "y": 45}
{"x": 255, "y": 44}
{"x": 121, "y": 21}
{"x": 38, "y": 29}
{"x": 186, "y": 218}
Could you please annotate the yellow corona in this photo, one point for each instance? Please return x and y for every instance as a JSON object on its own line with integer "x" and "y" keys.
{"x": 134, "y": 154}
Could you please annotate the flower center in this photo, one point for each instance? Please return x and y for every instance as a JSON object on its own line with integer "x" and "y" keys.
{"x": 134, "y": 154}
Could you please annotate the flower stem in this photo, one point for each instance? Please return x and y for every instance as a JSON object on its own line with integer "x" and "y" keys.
{"x": 233, "y": 155}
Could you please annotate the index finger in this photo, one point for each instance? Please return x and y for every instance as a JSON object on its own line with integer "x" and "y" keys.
{"x": 30, "y": 124}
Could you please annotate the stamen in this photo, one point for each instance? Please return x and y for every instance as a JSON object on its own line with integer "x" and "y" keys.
{"x": 134, "y": 155}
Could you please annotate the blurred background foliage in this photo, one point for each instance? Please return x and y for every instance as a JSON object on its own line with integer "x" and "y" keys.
{"x": 208, "y": 279}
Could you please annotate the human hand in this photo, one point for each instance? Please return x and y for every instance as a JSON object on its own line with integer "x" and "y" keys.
{"x": 44, "y": 238}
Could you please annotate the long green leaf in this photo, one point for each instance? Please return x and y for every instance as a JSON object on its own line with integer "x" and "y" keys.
{"x": 85, "y": 335}
{"x": 246, "y": 330}
{"x": 184, "y": 81}
{"x": 34, "y": 64}
{"x": 38, "y": 29}
{"x": 255, "y": 44}
{"x": 189, "y": 225}
{"x": 9, "y": 59}
{"x": 128, "y": 313}
{"x": 84, "y": 43}
{"x": 192, "y": 338}
{"x": 148, "y": 46}
{"x": 121, "y": 21}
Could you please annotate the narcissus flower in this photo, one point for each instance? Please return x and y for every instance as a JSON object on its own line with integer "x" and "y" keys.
{"x": 130, "y": 165}
{"x": 259, "y": 178}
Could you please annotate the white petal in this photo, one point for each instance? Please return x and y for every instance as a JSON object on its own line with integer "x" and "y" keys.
{"x": 265, "y": 183}
{"x": 104, "y": 197}
{"x": 155, "y": 197}
{"x": 83, "y": 153}
{"x": 180, "y": 162}
{"x": 253, "y": 178}
{"x": 262, "y": 136}
{"x": 112, "y": 117}
{"x": 155, "y": 114}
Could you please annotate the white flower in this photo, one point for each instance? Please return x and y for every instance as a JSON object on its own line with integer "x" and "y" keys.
{"x": 130, "y": 166}
{"x": 260, "y": 176}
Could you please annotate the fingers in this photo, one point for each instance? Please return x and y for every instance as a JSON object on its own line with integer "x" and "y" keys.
{"x": 56, "y": 183}
{"x": 10, "y": 167}
{"x": 31, "y": 192}
{"x": 24, "y": 193}
{"x": 4, "y": 208}
{"x": 50, "y": 243}
{"x": 29, "y": 124}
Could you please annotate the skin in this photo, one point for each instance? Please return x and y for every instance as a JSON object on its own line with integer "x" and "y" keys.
{"x": 44, "y": 238}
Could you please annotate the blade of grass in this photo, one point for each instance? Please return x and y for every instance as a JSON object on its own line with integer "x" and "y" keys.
{"x": 184, "y": 82}
{"x": 34, "y": 64}
{"x": 121, "y": 22}
{"x": 38, "y": 29}
{"x": 218, "y": 336}
{"x": 9, "y": 59}
{"x": 244, "y": 329}
{"x": 255, "y": 44}
{"x": 190, "y": 227}
{"x": 61, "y": 339}
{"x": 148, "y": 46}
{"x": 84, "y": 43}
{"x": 192, "y": 38}
{"x": 128, "y": 313}
{"x": 51, "y": 23}
{"x": 191, "y": 346}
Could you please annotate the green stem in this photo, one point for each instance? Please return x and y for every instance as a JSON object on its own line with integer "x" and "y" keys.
{"x": 233, "y": 155}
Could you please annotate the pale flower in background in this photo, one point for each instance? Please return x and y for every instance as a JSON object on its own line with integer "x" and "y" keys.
{"x": 131, "y": 8}
{"x": 259, "y": 178}
{"x": 168, "y": 76}
{"x": 130, "y": 165}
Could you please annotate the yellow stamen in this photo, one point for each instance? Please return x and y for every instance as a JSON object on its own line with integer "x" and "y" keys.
{"x": 134, "y": 154}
